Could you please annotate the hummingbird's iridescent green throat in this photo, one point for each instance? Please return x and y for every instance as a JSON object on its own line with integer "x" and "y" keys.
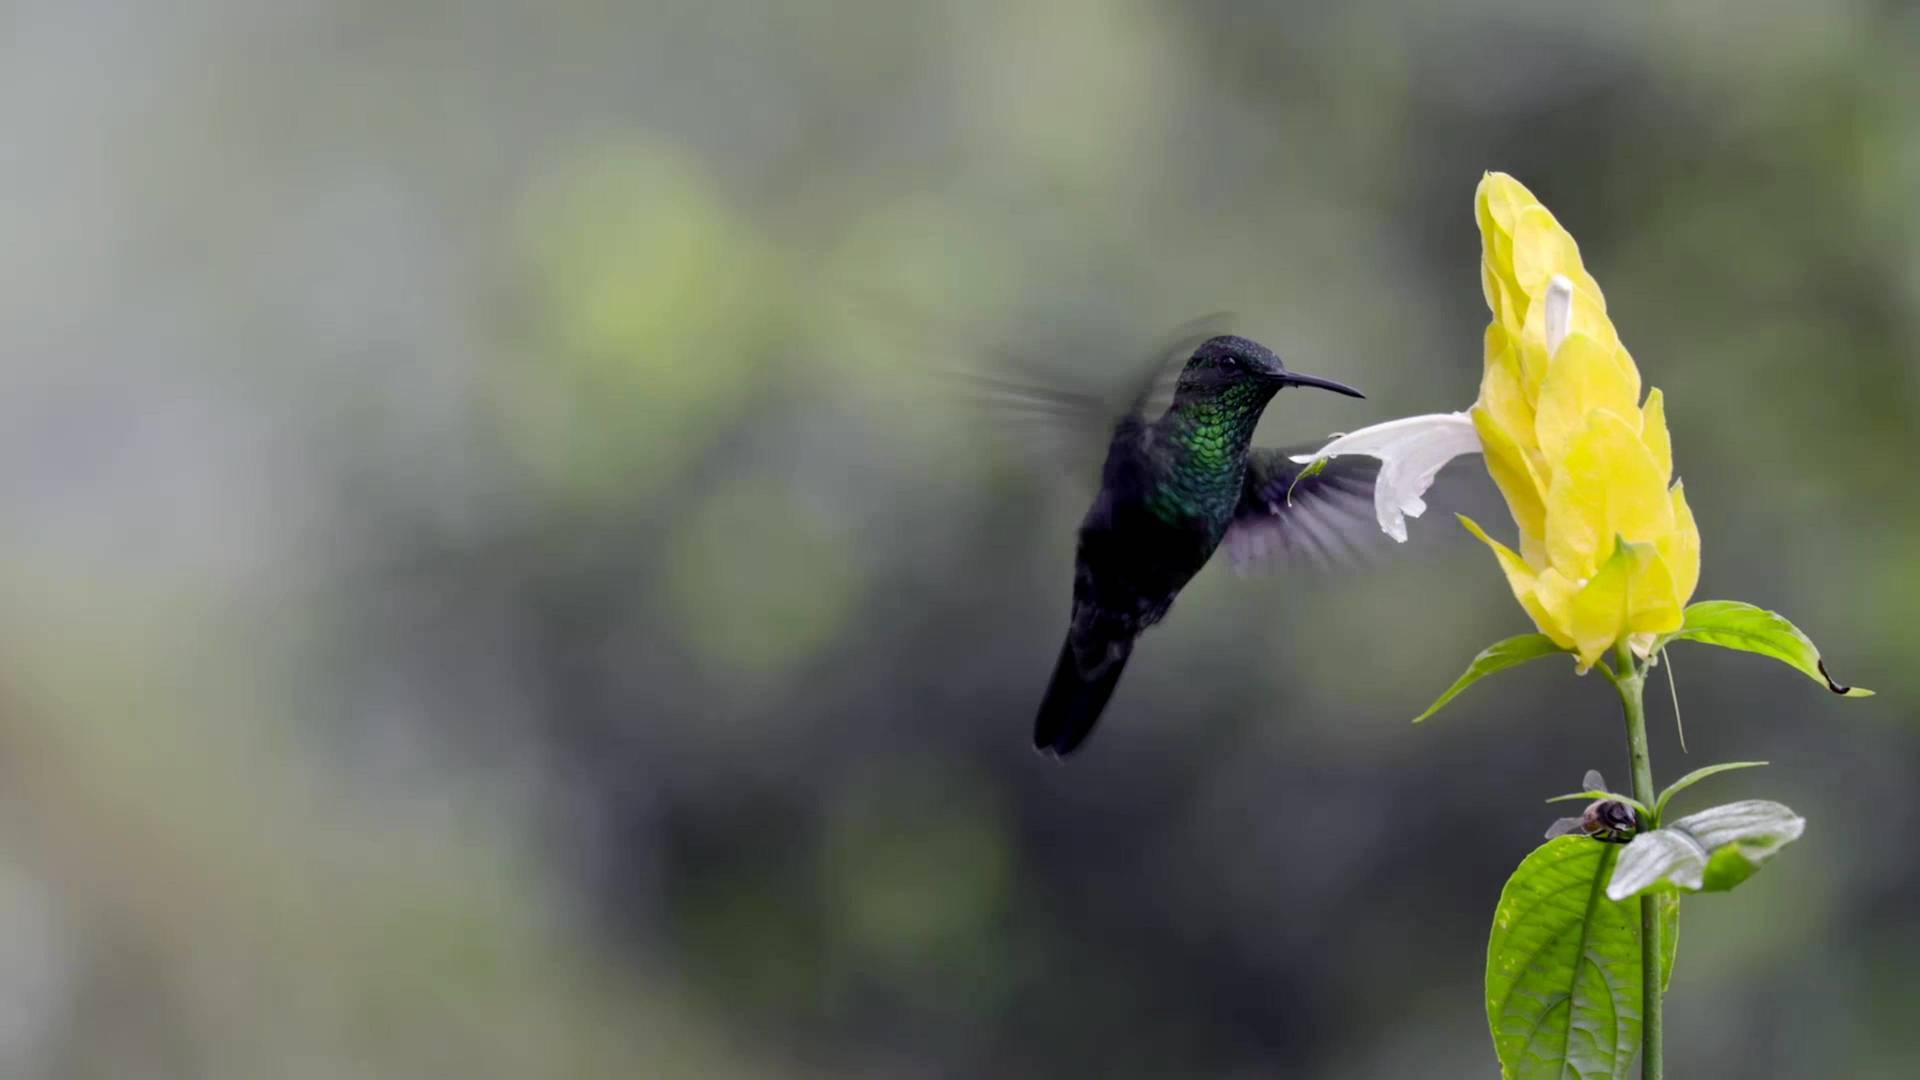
{"x": 1217, "y": 403}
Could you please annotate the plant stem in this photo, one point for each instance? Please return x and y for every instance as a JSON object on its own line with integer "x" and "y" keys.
{"x": 1630, "y": 680}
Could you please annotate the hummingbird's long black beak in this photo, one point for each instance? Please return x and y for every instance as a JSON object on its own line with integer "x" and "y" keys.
{"x": 1294, "y": 378}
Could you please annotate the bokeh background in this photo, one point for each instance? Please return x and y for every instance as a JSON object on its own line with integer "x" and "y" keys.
{"x": 492, "y": 585}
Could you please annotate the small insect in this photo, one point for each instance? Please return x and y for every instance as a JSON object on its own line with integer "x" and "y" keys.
{"x": 1609, "y": 821}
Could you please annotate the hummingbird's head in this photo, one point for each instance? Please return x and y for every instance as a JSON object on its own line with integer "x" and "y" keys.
{"x": 1228, "y": 361}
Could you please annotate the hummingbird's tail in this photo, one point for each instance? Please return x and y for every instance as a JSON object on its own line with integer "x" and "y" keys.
{"x": 1075, "y": 697}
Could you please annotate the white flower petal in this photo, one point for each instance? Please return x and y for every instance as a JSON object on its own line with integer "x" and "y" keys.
{"x": 1412, "y": 452}
{"x": 1559, "y": 312}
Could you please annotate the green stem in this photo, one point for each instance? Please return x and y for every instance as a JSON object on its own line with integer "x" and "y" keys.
{"x": 1630, "y": 680}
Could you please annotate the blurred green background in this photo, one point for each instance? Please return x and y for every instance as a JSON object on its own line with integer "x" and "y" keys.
{"x": 487, "y": 591}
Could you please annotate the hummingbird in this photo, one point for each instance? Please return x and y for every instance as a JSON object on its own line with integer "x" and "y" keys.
{"x": 1172, "y": 491}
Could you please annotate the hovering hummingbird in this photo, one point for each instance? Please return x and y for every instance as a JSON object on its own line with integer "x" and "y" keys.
{"x": 1172, "y": 491}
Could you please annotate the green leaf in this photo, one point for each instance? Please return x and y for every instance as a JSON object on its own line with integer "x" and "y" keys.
{"x": 1496, "y": 657}
{"x": 1731, "y": 624}
{"x": 1563, "y": 967}
{"x": 1694, "y": 777}
{"x": 1314, "y": 468}
{"x": 1669, "y": 935}
{"x": 1711, "y": 851}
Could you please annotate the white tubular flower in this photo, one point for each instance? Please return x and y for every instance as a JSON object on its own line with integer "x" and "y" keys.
{"x": 1411, "y": 451}
{"x": 1559, "y": 312}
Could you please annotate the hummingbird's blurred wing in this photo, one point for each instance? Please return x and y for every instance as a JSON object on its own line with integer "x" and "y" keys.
{"x": 1291, "y": 513}
{"x": 1158, "y": 369}
{"x": 1041, "y": 420}
{"x": 1067, "y": 420}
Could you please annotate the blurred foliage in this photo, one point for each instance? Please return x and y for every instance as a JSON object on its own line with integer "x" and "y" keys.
{"x": 649, "y": 300}
{"x": 494, "y": 588}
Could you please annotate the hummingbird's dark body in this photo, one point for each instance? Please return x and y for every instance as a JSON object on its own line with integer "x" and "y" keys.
{"x": 1171, "y": 491}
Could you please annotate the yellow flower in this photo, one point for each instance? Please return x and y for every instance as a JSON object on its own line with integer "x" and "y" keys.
{"x": 1608, "y": 550}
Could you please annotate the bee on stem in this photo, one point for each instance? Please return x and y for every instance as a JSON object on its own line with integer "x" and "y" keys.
{"x": 1609, "y": 821}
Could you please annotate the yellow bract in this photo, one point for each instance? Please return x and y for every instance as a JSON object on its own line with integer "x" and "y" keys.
{"x": 1608, "y": 550}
